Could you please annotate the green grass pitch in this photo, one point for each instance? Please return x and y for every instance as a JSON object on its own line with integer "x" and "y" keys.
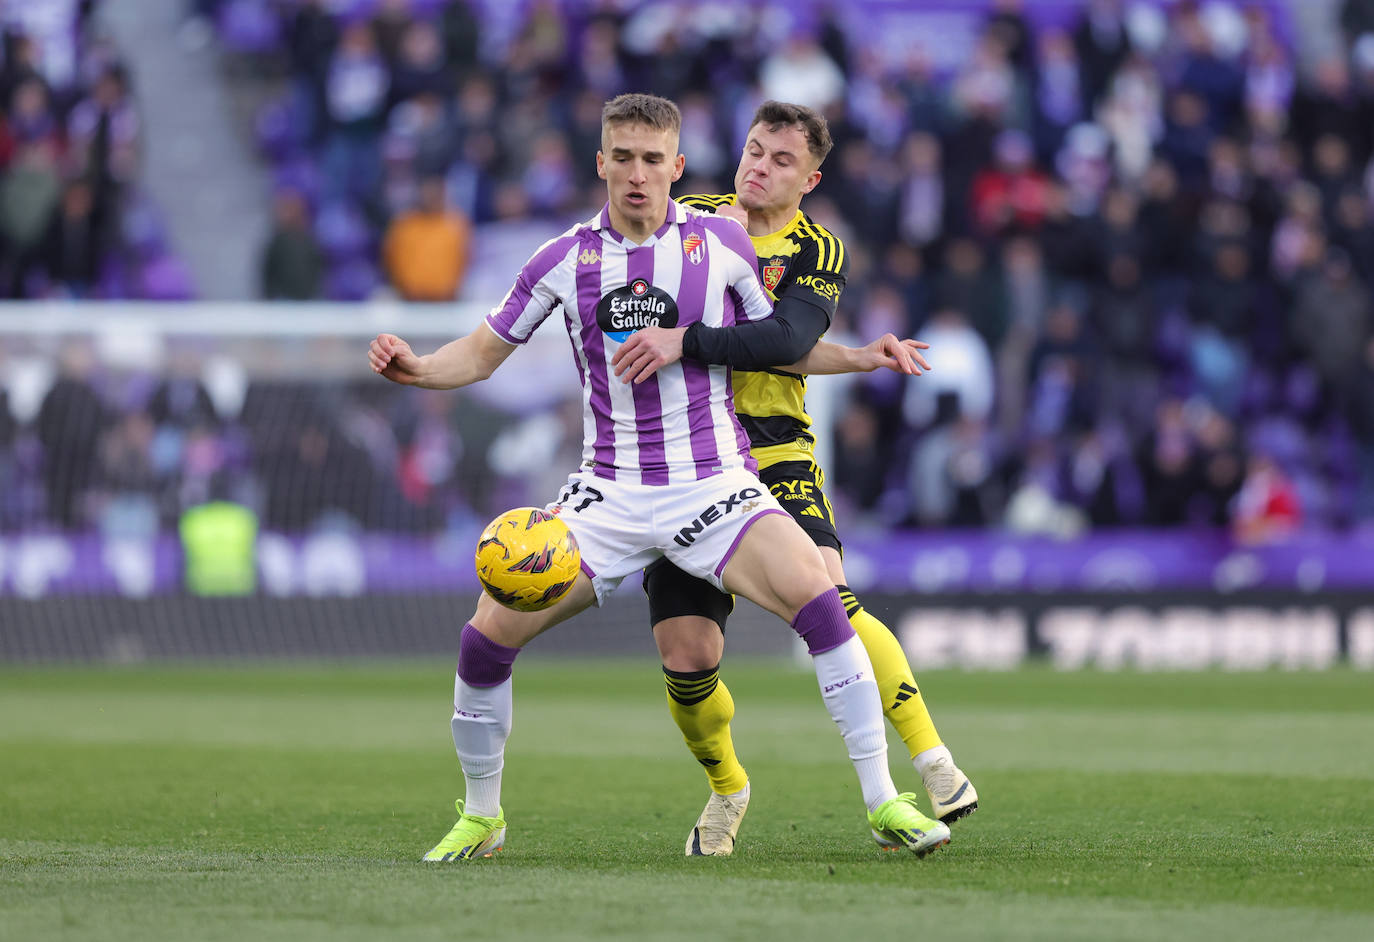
{"x": 293, "y": 802}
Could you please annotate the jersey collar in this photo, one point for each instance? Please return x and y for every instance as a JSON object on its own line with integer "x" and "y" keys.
{"x": 677, "y": 214}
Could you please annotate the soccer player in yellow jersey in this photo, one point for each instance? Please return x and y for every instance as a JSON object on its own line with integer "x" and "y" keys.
{"x": 804, "y": 267}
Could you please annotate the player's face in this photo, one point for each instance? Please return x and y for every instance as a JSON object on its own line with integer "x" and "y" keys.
{"x": 776, "y": 169}
{"x": 639, "y": 165}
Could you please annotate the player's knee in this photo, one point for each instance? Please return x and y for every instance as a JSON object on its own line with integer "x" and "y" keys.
{"x": 689, "y": 643}
{"x": 804, "y": 584}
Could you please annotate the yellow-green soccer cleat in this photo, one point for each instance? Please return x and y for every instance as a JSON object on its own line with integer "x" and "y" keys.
{"x": 473, "y": 836}
{"x": 952, "y": 795}
{"x": 714, "y": 834}
{"x": 898, "y": 823}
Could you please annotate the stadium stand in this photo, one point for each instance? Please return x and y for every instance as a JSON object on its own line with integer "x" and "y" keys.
{"x": 75, "y": 221}
{"x": 1139, "y": 237}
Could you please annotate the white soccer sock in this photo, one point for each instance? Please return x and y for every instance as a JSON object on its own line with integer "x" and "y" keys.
{"x": 481, "y": 726}
{"x": 922, "y": 760}
{"x": 851, "y": 695}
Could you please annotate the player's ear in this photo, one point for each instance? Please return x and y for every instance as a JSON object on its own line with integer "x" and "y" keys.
{"x": 601, "y": 165}
{"x": 678, "y": 166}
{"x": 811, "y": 181}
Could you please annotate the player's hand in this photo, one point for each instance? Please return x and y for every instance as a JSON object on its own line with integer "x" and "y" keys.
{"x": 392, "y": 357}
{"x": 736, "y": 212}
{"x": 900, "y": 356}
{"x": 647, "y": 350}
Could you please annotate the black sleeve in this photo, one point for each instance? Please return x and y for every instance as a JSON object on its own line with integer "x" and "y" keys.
{"x": 784, "y": 338}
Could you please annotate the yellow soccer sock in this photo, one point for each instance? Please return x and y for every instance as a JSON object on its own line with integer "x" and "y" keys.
{"x": 702, "y": 707}
{"x": 902, "y": 703}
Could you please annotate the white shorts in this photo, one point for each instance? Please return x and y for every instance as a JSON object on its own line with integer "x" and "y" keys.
{"x": 622, "y": 527}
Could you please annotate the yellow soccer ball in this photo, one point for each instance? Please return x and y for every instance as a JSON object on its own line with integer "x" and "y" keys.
{"x": 527, "y": 559}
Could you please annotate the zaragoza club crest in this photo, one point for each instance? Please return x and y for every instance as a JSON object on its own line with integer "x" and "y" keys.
{"x": 773, "y": 271}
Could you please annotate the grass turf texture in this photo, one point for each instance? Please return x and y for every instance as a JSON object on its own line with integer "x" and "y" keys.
{"x": 291, "y": 802}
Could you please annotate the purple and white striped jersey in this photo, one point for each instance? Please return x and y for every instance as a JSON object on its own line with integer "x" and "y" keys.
{"x": 679, "y": 425}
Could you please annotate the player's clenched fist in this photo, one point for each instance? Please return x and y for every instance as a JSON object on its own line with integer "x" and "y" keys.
{"x": 392, "y": 357}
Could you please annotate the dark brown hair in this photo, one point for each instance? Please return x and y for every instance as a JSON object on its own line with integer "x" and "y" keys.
{"x": 776, "y": 115}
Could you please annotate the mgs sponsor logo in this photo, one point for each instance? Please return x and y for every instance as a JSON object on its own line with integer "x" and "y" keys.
{"x": 638, "y": 304}
{"x": 825, "y": 289}
{"x": 744, "y": 499}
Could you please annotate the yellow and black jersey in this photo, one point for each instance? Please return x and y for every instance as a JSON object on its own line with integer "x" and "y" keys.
{"x": 802, "y": 261}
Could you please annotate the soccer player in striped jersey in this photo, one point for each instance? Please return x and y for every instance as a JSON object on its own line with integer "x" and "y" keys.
{"x": 666, "y": 469}
{"x": 804, "y": 267}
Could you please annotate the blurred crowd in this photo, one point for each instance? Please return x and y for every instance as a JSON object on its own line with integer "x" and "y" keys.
{"x": 1137, "y": 235}
{"x": 73, "y": 220}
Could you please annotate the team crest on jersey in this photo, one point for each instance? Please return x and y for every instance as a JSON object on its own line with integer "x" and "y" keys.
{"x": 589, "y": 257}
{"x": 636, "y": 305}
{"x": 773, "y": 271}
{"x": 695, "y": 247}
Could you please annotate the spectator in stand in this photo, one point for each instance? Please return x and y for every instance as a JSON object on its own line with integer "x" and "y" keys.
{"x": 74, "y": 244}
{"x": 30, "y": 191}
{"x": 19, "y": 63}
{"x": 420, "y": 66}
{"x": 1221, "y": 465}
{"x": 30, "y": 118}
{"x": 70, "y": 424}
{"x": 1331, "y": 322}
{"x": 921, "y": 208}
{"x": 1270, "y": 82}
{"x": 1059, "y": 100}
{"x": 968, "y": 285}
{"x": 1131, "y": 112}
{"x": 1169, "y": 466}
{"x": 549, "y": 178}
{"x": 1102, "y": 45}
{"x": 1064, "y": 393}
{"x": 292, "y": 266}
{"x": 104, "y": 136}
{"x": 1012, "y": 195}
{"x": 801, "y": 72}
{"x": 860, "y": 458}
{"x": 1267, "y": 509}
{"x": 355, "y": 99}
{"x": 1330, "y": 104}
{"x": 965, "y": 373}
{"x": 426, "y": 249}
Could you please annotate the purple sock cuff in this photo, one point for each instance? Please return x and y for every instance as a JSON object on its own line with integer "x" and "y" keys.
{"x": 481, "y": 661}
{"x": 822, "y": 623}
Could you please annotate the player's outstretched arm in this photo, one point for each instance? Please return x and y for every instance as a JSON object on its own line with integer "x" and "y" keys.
{"x": 457, "y": 363}
{"x": 900, "y": 356}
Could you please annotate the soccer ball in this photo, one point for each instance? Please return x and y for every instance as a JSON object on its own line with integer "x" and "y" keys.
{"x": 527, "y": 559}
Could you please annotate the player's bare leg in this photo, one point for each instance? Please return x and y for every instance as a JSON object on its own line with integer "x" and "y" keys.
{"x": 691, "y": 647}
{"x": 482, "y": 711}
{"x": 952, "y": 795}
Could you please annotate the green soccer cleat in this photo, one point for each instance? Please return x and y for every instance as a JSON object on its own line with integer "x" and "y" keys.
{"x": 473, "y": 836}
{"x": 714, "y": 834}
{"x": 898, "y": 823}
{"x": 952, "y": 795}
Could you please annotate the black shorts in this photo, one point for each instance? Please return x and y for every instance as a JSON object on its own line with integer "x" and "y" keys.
{"x": 797, "y": 487}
